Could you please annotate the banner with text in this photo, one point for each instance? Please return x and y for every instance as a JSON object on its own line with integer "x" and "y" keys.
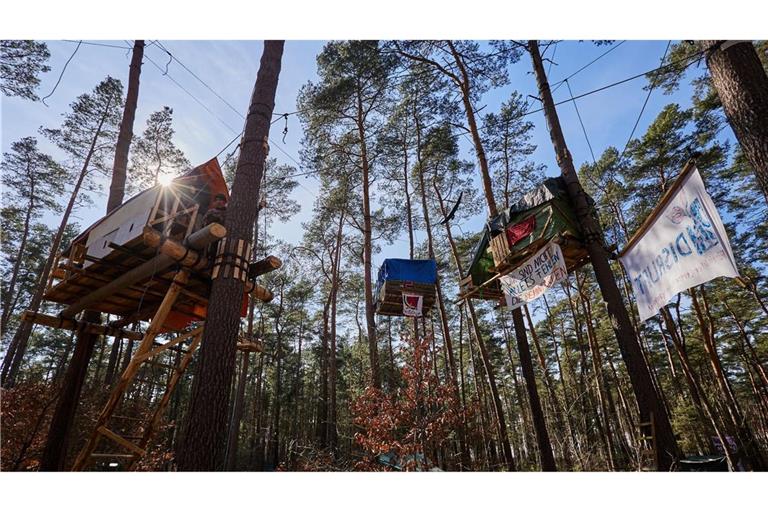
{"x": 683, "y": 245}
{"x": 535, "y": 276}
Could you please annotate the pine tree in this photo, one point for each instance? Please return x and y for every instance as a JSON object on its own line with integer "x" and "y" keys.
{"x": 343, "y": 111}
{"x": 741, "y": 82}
{"x": 472, "y": 72}
{"x": 205, "y": 439}
{"x": 87, "y": 136}
{"x": 507, "y": 138}
{"x": 125, "y": 137}
{"x": 21, "y": 63}
{"x": 89, "y": 133}
{"x": 154, "y": 154}
{"x": 33, "y": 181}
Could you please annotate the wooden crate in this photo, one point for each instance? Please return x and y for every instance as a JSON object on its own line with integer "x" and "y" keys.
{"x": 390, "y": 299}
{"x": 504, "y": 260}
{"x": 500, "y": 250}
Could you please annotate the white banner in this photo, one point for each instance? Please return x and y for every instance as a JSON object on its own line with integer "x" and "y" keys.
{"x": 412, "y": 304}
{"x": 683, "y": 244}
{"x": 531, "y": 279}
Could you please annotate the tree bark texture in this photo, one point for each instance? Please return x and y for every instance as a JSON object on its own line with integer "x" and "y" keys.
{"x": 205, "y": 438}
{"x": 649, "y": 402}
{"x": 742, "y": 85}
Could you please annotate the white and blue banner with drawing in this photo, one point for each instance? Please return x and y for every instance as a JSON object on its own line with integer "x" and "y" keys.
{"x": 683, "y": 244}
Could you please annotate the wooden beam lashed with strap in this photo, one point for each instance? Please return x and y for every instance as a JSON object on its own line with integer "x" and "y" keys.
{"x": 143, "y": 354}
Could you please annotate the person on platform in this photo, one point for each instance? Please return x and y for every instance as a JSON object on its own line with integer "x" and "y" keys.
{"x": 217, "y": 212}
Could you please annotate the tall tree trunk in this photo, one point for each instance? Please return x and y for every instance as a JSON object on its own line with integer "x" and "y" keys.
{"x": 439, "y": 290}
{"x": 597, "y": 368}
{"x": 78, "y": 367}
{"x": 370, "y": 313}
{"x": 560, "y": 423}
{"x": 546, "y": 457}
{"x": 522, "y": 404}
{"x": 408, "y": 208}
{"x": 487, "y": 444}
{"x": 258, "y": 461}
{"x": 205, "y": 437}
{"x": 332, "y": 374}
{"x": 297, "y": 393}
{"x": 321, "y": 428}
{"x": 649, "y": 402}
{"x": 278, "y": 402}
{"x": 114, "y": 355}
{"x": 496, "y": 400}
{"x": 125, "y": 136}
{"x": 742, "y": 85}
{"x": 233, "y": 438}
{"x": 469, "y": 110}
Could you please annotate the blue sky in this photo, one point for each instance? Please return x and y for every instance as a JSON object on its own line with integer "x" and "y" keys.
{"x": 229, "y": 68}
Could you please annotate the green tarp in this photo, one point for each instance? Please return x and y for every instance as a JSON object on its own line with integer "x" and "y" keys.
{"x": 550, "y": 206}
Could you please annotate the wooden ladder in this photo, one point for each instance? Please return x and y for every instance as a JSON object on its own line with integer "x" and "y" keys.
{"x": 648, "y": 446}
{"x": 144, "y": 354}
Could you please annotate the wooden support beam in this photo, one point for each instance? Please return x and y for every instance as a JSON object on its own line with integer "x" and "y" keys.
{"x": 180, "y": 251}
{"x": 249, "y": 345}
{"x": 73, "y": 325}
{"x": 179, "y": 281}
{"x": 165, "y": 346}
{"x": 258, "y": 292}
{"x": 168, "y": 257}
{"x": 268, "y": 264}
{"x": 155, "y": 419}
{"x": 121, "y": 441}
{"x": 129, "y": 456}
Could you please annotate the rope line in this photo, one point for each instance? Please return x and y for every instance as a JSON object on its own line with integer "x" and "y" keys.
{"x": 190, "y": 94}
{"x": 645, "y": 103}
{"x": 585, "y": 66}
{"x": 620, "y": 82}
{"x": 90, "y": 43}
{"x": 61, "y": 75}
{"x": 173, "y": 57}
{"x": 583, "y": 129}
{"x": 689, "y": 59}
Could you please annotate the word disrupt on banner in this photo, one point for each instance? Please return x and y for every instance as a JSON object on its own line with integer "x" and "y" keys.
{"x": 683, "y": 244}
{"x": 535, "y": 276}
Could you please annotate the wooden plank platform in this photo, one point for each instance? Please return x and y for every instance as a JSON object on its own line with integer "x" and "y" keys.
{"x": 144, "y": 296}
{"x": 390, "y": 299}
{"x": 574, "y": 252}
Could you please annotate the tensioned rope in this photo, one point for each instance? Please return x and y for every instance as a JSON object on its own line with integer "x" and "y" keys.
{"x": 645, "y": 103}
{"x": 61, "y": 75}
{"x": 581, "y": 122}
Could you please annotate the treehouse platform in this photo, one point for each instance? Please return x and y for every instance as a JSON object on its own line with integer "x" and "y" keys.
{"x": 125, "y": 262}
{"x": 542, "y": 215}
{"x": 406, "y": 287}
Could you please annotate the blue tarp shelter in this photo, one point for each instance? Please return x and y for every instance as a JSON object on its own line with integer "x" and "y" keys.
{"x": 418, "y": 271}
{"x": 397, "y": 275}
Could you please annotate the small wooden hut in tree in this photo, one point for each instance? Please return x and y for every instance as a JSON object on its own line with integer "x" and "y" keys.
{"x": 542, "y": 215}
{"x": 406, "y": 287}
